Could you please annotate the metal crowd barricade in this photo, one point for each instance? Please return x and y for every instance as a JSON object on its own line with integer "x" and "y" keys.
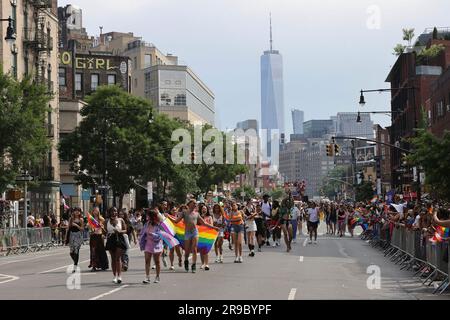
{"x": 20, "y": 240}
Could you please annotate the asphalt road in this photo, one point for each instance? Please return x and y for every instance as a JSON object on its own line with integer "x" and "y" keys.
{"x": 335, "y": 268}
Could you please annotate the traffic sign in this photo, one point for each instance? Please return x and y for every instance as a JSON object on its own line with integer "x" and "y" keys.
{"x": 24, "y": 178}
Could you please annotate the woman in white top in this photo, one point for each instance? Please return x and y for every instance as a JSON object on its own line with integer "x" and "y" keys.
{"x": 250, "y": 224}
{"x": 313, "y": 222}
{"x": 115, "y": 244}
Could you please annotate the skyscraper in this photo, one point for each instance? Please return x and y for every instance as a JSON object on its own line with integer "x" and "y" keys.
{"x": 272, "y": 95}
{"x": 298, "y": 117}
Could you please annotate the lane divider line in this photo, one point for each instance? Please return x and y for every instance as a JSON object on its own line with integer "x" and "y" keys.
{"x": 305, "y": 242}
{"x": 8, "y": 278}
{"x": 109, "y": 292}
{"x": 63, "y": 267}
{"x": 292, "y": 294}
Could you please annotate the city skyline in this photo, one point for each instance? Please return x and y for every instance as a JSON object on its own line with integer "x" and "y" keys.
{"x": 314, "y": 38}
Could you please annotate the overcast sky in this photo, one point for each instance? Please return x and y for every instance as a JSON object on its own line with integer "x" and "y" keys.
{"x": 331, "y": 48}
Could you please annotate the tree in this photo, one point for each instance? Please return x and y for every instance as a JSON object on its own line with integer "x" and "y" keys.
{"x": 277, "y": 194}
{"x": 432, "y": 52}
{"x": 249, "y": 193}
{"x": 333, "y": 181}
{"x": 435, "y": 33}
{"x": 119, "y": 121}
{"x": 364, "y": 191}
{"x": 399, "y": 49}
{"x": 24, "y": 142}
{"x": 408, "y": 35}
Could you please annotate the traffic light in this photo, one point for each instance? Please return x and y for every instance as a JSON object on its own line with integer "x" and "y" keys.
{"x": 193, "y": 156}
{"x": 330, "y": 150}
{"x": 337, "y": 148}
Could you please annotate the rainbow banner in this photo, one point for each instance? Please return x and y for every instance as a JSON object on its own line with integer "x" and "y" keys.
{"x": 374, "y": 199}
{"x": 440, "y": 234}
{"x": 206, "y": 235}
{"x": 92, "y": 222}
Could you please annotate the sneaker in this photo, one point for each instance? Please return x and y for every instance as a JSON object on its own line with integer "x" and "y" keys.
{"x": 194, "y": 267}
{"x": 268, "y": 243}
{"x": 153, "y": 267}
{"x": 236, "y": 260}
{"x": 119, "y": 280}
{"x": 172, "y": 268}
{"x": 179, "y": 263}
{"x": 277, "y": 243}
{"x": 146, "y": 281}
{"x": 310, "y": 241}
{"x": 186, "y": 265}
{"x": 294, "y": 241}
{"x": 164, "y": 262}
{"x": 315, "y": 241}
{"x": 221, "y": 259}
{"x": 217, "y": 259}
{"x": 202, "y": 266}
{"x": 274, "y": 244}
{"x": 206, "y": 268}
{"x": 259, "y": 250}
{"x": 156, "y": 280}
{"x": 115, "y": 280}
{"x": 240, "y": 259}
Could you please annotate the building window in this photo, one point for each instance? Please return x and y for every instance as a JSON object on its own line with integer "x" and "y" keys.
{"x": 111, "y": 79}
{"x": 178, "y": 82}
{"x": 94, "y": 81}
{"x": 167, "y": 82}
{"x": 440, "y": 109}
{"x": 148, "y": 60}
{"x": 62, "y": 77}
{"x": 180, "y": 100}
{"x": 165, "y": 99}
{"x": 78, "y": 81}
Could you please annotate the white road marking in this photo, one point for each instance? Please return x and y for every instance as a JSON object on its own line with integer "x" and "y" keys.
{"x": 8, "y": 278}
{"x": 35, "y": 258}
{"x": 305, "y": 242}
{"x": 59, "y": 268}
{"x": 301, "y": 259}
{"x": 292, "y": 294}
{"x": 109, "y": 292}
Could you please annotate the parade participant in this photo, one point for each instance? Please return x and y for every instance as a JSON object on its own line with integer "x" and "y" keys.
{"x": 327, "y": 211}
{"x": 266, "y": 209}
{"x": 75, "y": 234}
{"x": 128, "y": 236}
{"x": 285, "y": 219}
{"x": 275, "y": 224}
{"x": 260, "y": 227}
{"x": 219, "y": 222}
{"x": 350, "y": 216}
{"x": 236, "y": 219}
{"x": 115, "y": 242}
{"x": 295, "y": 216}
{"x": 190, "y": 217}
{"x": 333, "y": 219}
{"x": 151, "y": 243}
{"x": 174, "y": 212}
{"x": 251, "y": 227}
{"x": 313, "y": 222}
{"x": 341, "y": 215}
{"x": 204, "y": 213}
{"x": 99, "y": 259}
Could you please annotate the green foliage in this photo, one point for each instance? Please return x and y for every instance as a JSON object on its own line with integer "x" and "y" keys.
{"x": 432, "y": 52}
{"x": 408, "y": 35}
{"x": 399, "y": 49}
{"x": 330, "y": 184}
{"x": 249, "y": 193}
{"x": 23, "y": 143}
{"x": 277, "y": 194}
{"x": 364, "y": 191}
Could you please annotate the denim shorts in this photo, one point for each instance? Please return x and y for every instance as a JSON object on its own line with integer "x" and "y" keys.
{"x": 237, "y": 228}
{"x": 190, "y": 234}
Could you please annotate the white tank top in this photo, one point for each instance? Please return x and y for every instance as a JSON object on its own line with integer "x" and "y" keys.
{"x": 111, "y": 228}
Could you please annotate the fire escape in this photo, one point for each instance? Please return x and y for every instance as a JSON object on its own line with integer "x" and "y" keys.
{"x": 38, "y": 42}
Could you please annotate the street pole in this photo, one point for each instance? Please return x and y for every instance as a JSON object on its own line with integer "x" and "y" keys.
{"x": 25, "y": 209}
{"x": 105, "y": 190}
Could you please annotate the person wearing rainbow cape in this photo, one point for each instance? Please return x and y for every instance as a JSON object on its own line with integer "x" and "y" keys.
{"x": 191, "y": 217}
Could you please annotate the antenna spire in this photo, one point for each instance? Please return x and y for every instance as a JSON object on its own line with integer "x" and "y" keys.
{"x": 271, "y": 41}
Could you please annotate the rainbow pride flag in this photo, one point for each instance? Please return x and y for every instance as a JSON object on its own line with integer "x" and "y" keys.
{"x": 94, "y": 224}
{"x": 206, "y": 235}
{"x": 374, "y": 199}
{"x": 440, "y": 234}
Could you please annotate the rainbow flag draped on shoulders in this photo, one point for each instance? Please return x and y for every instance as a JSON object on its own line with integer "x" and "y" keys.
{"x": 206, "y": 235}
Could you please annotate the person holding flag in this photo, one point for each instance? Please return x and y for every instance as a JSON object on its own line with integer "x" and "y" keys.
{"x": 150, "y": 241}
{"x": 96, "y": 223}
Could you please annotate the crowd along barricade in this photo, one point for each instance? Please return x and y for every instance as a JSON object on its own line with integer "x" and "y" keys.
{"x": 20, "y": 240}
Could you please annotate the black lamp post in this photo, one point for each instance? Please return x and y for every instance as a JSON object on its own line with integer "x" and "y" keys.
{"x": 10, "y": 32}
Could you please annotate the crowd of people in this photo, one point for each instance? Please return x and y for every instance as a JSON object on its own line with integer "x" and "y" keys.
{"x": 255, "y": 223}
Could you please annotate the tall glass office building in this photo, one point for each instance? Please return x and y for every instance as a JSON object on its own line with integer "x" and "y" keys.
{"x": 272, "y": 92}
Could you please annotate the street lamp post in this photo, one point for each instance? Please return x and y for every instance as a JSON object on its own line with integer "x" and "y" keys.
{"x": 10, "y": 32}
